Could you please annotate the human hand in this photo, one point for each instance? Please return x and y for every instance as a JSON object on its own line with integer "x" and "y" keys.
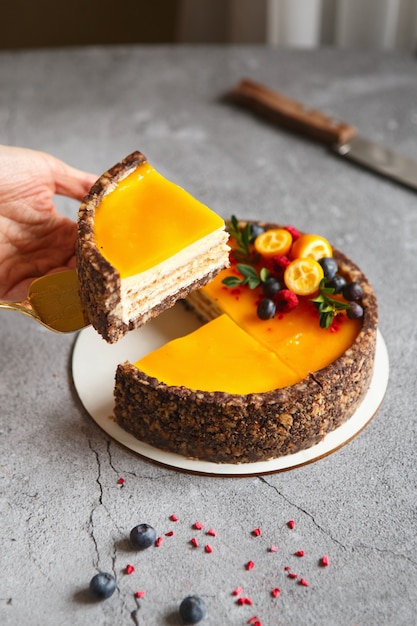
{"x": 34, "y": 238}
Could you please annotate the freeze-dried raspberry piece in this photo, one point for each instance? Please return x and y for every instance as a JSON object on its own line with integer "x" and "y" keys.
{"x": 294, "y": 232}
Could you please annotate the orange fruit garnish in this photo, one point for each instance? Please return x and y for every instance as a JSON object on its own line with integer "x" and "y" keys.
{"x": 303, "y": 276}
{"x": 311, "y": 246}
{"x": 276, "y": 241}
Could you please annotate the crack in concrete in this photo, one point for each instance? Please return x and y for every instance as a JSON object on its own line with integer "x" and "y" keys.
{"x": 362, "y": 546}
{"x": 94, "y": 509}
{"x": 109, "y": 453}
{"x": 305, "y": 512}
{"x": 353, "y": 547}
{"x": 134, "y": 616}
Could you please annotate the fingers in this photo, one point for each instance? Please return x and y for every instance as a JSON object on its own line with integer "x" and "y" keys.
{"x": 70, "y": 181}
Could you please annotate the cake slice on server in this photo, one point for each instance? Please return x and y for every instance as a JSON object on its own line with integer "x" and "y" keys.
{"x": 143, "y": 243}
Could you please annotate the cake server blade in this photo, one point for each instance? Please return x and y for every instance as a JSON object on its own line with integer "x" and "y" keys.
{"x": 342, "y": 138}
{"x": 53, "y": 301}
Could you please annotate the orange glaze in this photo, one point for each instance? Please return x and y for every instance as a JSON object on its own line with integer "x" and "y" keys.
{"x": 147, "y": 219}
{"x": 218, "y": 356}
{"x": 296, "y": 336}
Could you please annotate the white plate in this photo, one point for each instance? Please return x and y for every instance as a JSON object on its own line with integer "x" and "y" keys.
{"x": 94, "y": 365}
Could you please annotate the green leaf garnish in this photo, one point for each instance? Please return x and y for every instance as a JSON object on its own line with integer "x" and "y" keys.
{"x": 327, "y": 306}
{"x": 251, "y": 278}
{"x": 243, "y": 250}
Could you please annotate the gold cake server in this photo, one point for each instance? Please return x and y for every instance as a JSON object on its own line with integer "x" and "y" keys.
{"x": 342, "y": 138}
{"x": 53, "y": 301}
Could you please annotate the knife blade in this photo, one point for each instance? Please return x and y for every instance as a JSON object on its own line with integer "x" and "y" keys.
{"x": 340, "y": 137}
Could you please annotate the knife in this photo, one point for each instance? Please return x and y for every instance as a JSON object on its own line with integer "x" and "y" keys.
{"x": 342, "y": 138}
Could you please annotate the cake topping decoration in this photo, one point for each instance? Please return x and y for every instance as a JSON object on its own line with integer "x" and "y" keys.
{"x": 277, "y": 241}
{"x": 327, "y": 306}
{"x": 288, "y": 265}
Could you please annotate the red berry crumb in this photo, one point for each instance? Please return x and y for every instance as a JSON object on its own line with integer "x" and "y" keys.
{"x": 158, "y": 542}
{"x": 273, "y": 549}
{"x": 286, "y": 300}
{"x": 256, "y": 532}
{"x": 237, "y": 591}
{"x": 324, "y": 561}
{"x": 208, "y": 548}
{"x": 212, "y": 532}
{"x": 194, "y": 542}
{"x": 292, "y": 575}
{"x": 121, "y": 481}
{"x": 169, "y": 534}
{"x": 255, "y": 621}
{"x": 299, "y": 553}
{"x": 291, "y": 524}
{"x": 130, "y": 569}
{"x": 244, "y": 600}
{"x": 275, "y": 592}
{"x": 174, "y": 518}
{"x": 139, "y": 594}
{"x": 304, "y": 583}
{"x": 198, "y": 525}
{"x": 250, "y": 565}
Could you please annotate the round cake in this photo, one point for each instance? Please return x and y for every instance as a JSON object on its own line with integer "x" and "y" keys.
{"x": 271, "y": 371}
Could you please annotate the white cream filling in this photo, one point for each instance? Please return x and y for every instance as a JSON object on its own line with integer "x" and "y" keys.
{"x": 144, "y": 291}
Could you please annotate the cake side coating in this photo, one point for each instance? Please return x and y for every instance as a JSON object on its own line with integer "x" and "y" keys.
{"x": 99, "y": 282}
{"x": 230, "y": 428}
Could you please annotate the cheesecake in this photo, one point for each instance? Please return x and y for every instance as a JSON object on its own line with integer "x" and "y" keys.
{"x": 143, "y": 243}
{"x": 248, "y": 387}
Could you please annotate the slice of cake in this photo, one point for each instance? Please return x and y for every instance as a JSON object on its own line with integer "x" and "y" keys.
{"x": 250, "y": 386}
{"x": 143, "y": 243}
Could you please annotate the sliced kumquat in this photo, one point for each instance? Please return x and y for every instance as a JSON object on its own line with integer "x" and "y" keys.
{"x": 303, "y": 276}
{"x": 276, "y": 241}
{"x": 311, "y": 246}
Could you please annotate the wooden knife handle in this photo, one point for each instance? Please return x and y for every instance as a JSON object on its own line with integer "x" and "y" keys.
{"x": 290, "y": 114}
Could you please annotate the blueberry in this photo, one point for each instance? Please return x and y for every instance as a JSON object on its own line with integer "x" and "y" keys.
{"x": 192, "y": 609}
{"x": 271, "y": 286}
{"x": 266, "y": 309}
{"x": 352, "y": 291}
{"x": 337, "y": 283}
{"x": 102, "y": 585}
{"x": 142, "y": 536}
{"x": 329, "y": 265}
{"x": 355, "y": 312}
{"x": 254, "y": 231}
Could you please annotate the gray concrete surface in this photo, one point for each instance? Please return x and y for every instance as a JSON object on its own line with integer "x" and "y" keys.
{"x": 64, "y": 515}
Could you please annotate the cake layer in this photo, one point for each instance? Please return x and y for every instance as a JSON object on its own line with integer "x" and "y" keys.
{"x": 147, "y": 220}
{"x": 143, "y": 243}
{"x": 295, "y": 336}
{"x": 219, "y": 356}
{"x": 140, "y": 295}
